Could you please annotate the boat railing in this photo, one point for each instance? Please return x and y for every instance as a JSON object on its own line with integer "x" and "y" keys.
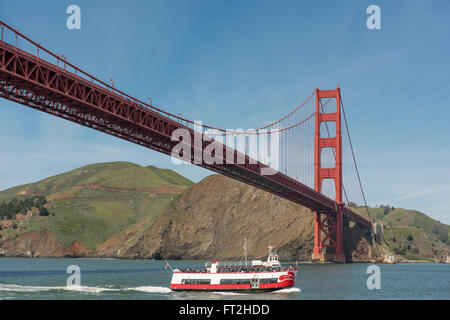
{"x": 193, "y": 270}
{"x": 250, "y": 269}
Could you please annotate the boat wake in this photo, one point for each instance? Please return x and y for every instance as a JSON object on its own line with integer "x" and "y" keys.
{"x": 20, "y": 288}
{"x": 151, "y": 289}
{"x": 287, "y": 290}
{"x": 96, "y": 290}
{"x": 224, "y": 293}
{"x": 85, "y": 289}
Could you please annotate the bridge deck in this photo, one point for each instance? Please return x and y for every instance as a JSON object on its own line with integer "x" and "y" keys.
{"x": 38, "y": 84}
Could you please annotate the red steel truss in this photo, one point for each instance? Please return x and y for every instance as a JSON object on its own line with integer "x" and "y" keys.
{"x": 31, "y": 81}
{"x": 328, "y": 227}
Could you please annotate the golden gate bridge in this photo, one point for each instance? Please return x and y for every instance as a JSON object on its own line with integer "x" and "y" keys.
{"x": 308, "y": 146}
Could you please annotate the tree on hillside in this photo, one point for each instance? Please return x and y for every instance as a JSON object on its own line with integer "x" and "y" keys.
{"x": 386, "y": 208}
{"x": 39, "y": 201}
{"x": 352, "y": 205}
{"x": 3, "y": 210}
{"x": 15, "y": 206}
{"x": 43, "y": 211}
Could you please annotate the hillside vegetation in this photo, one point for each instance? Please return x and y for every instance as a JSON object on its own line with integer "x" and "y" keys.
{"x": 124, "y": 210}
{"x": 410, "y": 234}
{"x": 91, "y": 204}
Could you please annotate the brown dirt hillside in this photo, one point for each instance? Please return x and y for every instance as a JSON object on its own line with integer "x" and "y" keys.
{"x": 124, "y": 210}
{"x": 42, "y": 244}
{"x": 212, "y": 218}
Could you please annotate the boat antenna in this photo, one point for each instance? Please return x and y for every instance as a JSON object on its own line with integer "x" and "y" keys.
{"x": 245, "y": 251}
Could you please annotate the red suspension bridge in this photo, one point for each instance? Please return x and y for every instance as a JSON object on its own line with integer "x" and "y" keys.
{"x": 306, "y": 157}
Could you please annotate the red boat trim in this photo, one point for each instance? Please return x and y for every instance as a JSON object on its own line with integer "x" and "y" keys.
{"x": 278, "y": 285}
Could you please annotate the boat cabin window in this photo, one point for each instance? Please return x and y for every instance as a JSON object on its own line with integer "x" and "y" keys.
{"x": 195, "y": 281}
{"x": 268, "y": 280}
{"x": 234, "y": 281}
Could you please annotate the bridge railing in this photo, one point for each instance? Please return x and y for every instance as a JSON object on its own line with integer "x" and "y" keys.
{"x": 16, "y": 39}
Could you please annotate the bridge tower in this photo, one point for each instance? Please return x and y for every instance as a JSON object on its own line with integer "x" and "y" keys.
{"x": 328, "y": 226}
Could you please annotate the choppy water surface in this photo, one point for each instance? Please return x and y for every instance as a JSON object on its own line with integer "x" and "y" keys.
{"x": 26, "y": 278}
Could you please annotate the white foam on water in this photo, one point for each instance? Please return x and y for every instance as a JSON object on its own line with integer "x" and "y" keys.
{"x": 225, "y": 293}
{"x": 86, "y": 289}
{"x": 151, "y": 289}
{"x": 287, "y": 290}
{"x": 20, "y": 288}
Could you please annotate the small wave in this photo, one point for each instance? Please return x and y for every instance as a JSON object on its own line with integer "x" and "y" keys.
{"x": 86, "y": 289}
{"x": 225, "y": 293}
{"x": 151, "y": 289}
{"x": 287, "y": 290}
{"x": 20, "y": 288}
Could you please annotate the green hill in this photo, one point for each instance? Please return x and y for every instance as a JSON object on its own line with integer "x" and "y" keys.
{"x": 170, "y": 176}
{"x": 410, "y": 234}
{"x": 92, "y": 203}
{"x": 114, "y": 174}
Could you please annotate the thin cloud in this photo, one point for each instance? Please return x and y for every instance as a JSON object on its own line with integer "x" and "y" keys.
{"x": 419, "y": 194}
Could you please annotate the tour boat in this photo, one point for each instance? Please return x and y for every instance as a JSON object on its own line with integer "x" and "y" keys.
{"x": 257, "y": 276}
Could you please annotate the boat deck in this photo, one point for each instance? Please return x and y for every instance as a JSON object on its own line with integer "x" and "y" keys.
{"x": 238, "y": 269}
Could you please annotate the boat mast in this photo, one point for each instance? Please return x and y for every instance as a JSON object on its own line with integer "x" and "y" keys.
{"x": 245, "y": 251}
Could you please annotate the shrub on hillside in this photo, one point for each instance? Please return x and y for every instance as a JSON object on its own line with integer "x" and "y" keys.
{"x": 399, "y": 251}
{"x": 8, "y": 210}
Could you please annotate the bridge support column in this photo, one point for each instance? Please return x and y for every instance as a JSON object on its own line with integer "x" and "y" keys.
{"x": 328, "y": 226}
{"x": 340, "y": 255}
{"x": 328, "y": 238}
{"x": 317, "y": 251}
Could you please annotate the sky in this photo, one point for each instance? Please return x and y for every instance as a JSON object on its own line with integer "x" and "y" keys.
{"x": 243, "y": 64}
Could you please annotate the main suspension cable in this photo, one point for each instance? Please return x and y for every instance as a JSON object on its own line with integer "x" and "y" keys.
{"x": 354, "y": 161}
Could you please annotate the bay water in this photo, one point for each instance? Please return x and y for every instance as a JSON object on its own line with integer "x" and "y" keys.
{"x": 46, "y": 278}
